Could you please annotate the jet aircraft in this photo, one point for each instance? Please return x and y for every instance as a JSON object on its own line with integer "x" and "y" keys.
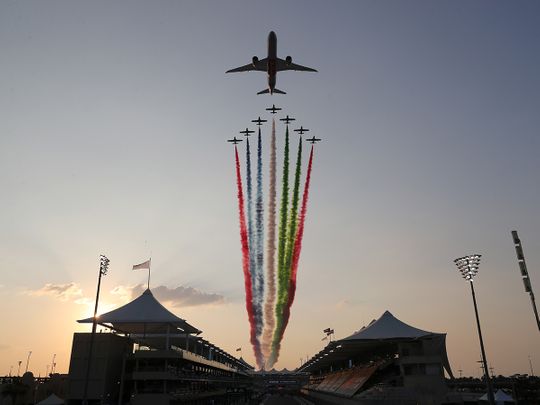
{"x": 258, "y": 121}
{"x": 246, "y": 132}
{"x": 273, "y": 109}
{"x": 301, "y": 130}
{"x": 287, "y": 119}
{"x": 234, "y": 140}
{"x": 271, "y": 65}
{"x": 313, "y": 140}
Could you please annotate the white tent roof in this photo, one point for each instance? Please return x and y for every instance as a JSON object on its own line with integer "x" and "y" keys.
{"x": 52, "y": 400}
{"x": 500, "y": 397}
{"x": 144, "y": 315}
{"x": 388, "y": 327}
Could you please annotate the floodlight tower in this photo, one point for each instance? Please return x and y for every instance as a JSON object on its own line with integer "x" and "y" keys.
{"x": 103, "y": 268}
{"x": 525, "y": 274}
{"x": 468, "y": 267}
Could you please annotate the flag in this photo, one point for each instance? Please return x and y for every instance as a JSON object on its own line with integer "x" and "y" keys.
{"x": 239, "y": 349}
{"x": 145, "y": 265}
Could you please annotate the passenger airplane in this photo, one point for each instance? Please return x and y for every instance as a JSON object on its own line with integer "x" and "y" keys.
{"x": 271, "y": 65}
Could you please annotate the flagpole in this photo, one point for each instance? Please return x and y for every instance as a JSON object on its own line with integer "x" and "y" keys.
{"x": 149, "y": 265}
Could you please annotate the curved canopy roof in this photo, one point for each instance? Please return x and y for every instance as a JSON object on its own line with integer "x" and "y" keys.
{"x": 144, "y": 315}
{"x": 385, "y": 331}
{"x": 388, "y": 327}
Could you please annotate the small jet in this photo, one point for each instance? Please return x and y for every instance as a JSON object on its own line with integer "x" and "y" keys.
{"x": 273, "y": 109}
{"x": 234, "y": 140}
{"x": 313, "y": 140}
{"x": 271, "y": 65}
{"x": 258, "y": 121}
{"x": 247, "y": 132}
{"x": 287, "y": 119}
{"x": 301, "y": 130}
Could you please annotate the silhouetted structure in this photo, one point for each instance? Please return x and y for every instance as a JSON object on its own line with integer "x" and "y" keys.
{"x": 387, "y": 362}
{"x": 152, "y": 356}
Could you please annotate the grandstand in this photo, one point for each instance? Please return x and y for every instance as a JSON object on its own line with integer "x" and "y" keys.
{"x": 152, "y": 356}
{"x": 386, "y": 362}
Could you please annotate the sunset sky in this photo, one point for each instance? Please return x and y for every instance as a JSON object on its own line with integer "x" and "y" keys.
{"x": 112, "y": 141}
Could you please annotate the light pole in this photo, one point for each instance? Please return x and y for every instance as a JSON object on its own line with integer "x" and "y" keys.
{"x": 28, "y": 361}
{"x": 103, "y": 267}
{"x": 468, "y": 267}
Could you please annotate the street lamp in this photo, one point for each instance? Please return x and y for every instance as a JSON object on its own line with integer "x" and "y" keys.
{"x": 103, "y": 268}
{"x": 468, "y": 267}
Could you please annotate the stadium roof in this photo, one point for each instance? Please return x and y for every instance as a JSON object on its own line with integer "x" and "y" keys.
{"x": 388, "y": 327}
{"x": 378, "y": 335}
{"x": 144, "y": 315}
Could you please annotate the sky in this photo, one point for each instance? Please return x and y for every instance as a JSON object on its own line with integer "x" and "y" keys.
{"x": 112, "y": 141}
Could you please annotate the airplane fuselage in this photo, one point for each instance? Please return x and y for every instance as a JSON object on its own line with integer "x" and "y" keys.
{"x": 272, "y": 60}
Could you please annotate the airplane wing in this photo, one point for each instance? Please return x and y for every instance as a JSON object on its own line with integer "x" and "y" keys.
{"x": 261, "y": 66}
{"x": 283, "y": 65}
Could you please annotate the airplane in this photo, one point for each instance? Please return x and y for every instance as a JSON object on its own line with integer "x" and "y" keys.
{"x": 313, "y": 140}
{"x": 246, "y": 132}
{"x": 273, "y": 109}
{"x": 258, "y": 121}
{"x": 287, "y": 119}
{"x": 234, "y": 140}
{"x": 271, "y": 65}
{"x": 301, "y": 130}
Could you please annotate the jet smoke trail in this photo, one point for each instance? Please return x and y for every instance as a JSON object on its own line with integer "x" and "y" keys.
{"x": 283, "y": 294}
{"x": 283, "y": 282}
{"x": 249, "y": 195}
{"x": 259, "y": 244}
{"x": 296, "y": 257}
{"x": 245, "y": 260}
{"x": 298, "y": 241}
{"x": 293, "y": 218}
{"x": 270, "y": 250}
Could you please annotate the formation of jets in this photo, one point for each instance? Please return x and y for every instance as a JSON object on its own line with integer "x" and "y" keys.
{"x": 271, "y": 65}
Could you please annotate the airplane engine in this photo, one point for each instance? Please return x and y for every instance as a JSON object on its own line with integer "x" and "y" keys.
{"x": 288, "y": 60}
{"x": 254, "y": 61}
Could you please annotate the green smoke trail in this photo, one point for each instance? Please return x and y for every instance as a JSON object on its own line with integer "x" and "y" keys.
{"x": 293, "y": 218}
{"x": 282, "y": 280}
{"x": 285, "y": 269}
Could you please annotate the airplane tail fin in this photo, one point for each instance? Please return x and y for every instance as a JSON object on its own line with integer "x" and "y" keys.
{"x": 266, "y": 91}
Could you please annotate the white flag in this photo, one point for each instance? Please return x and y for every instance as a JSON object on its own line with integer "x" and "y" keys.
{"x": 145, "y": 265}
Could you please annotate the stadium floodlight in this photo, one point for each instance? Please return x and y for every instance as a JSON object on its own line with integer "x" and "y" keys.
{"x": 468, "y": 267}
{"x": 103, "y": 268}
{"x": 525, "y": 274}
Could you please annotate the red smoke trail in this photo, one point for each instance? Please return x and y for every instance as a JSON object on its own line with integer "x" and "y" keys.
{"x": 270, "y": 250}
{"x": 298, "y": 245}
{"x": 245, "y": 260}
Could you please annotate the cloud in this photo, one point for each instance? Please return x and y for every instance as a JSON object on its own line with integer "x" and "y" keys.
{"x": 177, "y": 297}
{"x": 63, "y": 292}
